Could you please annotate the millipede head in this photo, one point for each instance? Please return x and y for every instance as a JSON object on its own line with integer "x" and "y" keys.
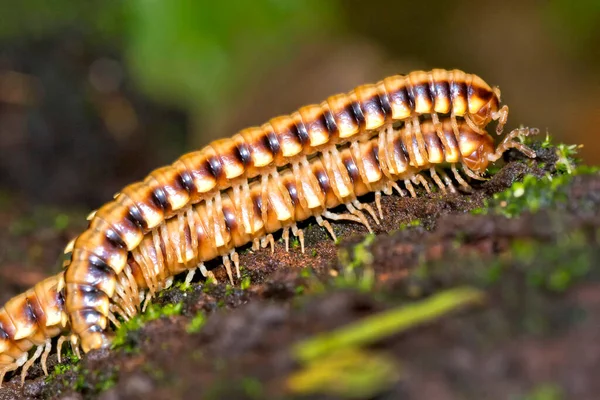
{"x": 484, "y": 103}
{"x": 96, "y": 340}
{"x": 475, "y": 149}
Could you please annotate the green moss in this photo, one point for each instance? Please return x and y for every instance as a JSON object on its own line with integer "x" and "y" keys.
{"x": 60, "y": 369}
{"x": 106, "y": 384}
{"x": 153, "y": 312}
{"x": 245, "y": 284}
{"x": 356, "y": 266}
{"x": 181, "y": 285}
{"x": 305, "y": 273}
{"x": 411, "y": 224}
{"x": 209, "y": 284}
{"x": 90, "y": 383}
{"x": 531, "y": 195}
{"x": 294, "y": 242}
{"x": 534, "y": 193}
{"x": 196, "y": 323}
{"x": 548, "y": 391}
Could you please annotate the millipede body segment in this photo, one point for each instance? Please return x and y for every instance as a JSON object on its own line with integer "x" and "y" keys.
{"x": 30, "y": 321}
{"x": 100, "y": 252}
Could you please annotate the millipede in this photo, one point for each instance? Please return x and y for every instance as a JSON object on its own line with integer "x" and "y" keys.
{"x": 31, "y": 320}
{"x": 336, "y": 177}
{"x": 329, "y": 179}
{"x": 186, "y": 242}
{"x": 100, "y": 252}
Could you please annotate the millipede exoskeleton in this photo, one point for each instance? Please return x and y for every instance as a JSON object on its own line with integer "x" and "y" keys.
{"x": 31, "y": 320}
{"x": 100, "y": 253}
{"x": 185, "y": 242}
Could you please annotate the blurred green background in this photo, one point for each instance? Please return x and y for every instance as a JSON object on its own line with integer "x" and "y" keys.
{"x": 94, "y": 94}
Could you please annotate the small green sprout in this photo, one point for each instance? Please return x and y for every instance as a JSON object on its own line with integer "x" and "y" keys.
{"x": 245, "y": 284}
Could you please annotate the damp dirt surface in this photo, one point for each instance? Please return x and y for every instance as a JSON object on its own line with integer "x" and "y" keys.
{"x": 531, "y": 335}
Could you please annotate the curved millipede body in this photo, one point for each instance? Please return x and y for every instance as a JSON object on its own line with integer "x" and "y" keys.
{"x": 28, "y": 322}
{"x": 100, "y": 253}
{"x": 331, "y": 179}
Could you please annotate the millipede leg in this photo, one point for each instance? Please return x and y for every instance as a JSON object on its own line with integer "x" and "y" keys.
{"x": 7, "y": 368}
{"x": 286, "y": 238}
{"x": 113, "y": 319}
{"x": 471, "y": 174}
{"x": 378, "y": 203}
{"x": 454, "y": 124}
{"x": 437, "y": 180}
{"x": 382, "y": 153}
{"x": 297, "y": 177}
{"x": 357, "y": 157}
{"x": 408, "y": 143}
{"x": 366, "y": 207}
{"x": 47, "y": 348}
{"x": 418, "y": 178}
{"x": 210, "y": 276}
{"x": 361, "y": 216}
{"x": 448, "y": 181}
{"x": 220, "y": 226}
{"x": 410, "y": 188}
{"x": 341, "y": 217}
{"x": 115, "y": 309}
{"x": 474, "y": 126}
{"x": 168, "y": 283}
{"x": 509, "y": 143}
{"x": 189, "y": 276}
{"x": 263, "y": 197}
{"x": 324, "y": 223}
{"x": 391, "y": 186}
{"x": 59, "y": 345}
{"x": 268, "y": 240}
{"x": 423, "y": 155}
{"x": 440, "y": 133}
{"x": 149, "y": 296}
{"x": 29, "y": 363}
{"x": 227, "y": 265}
{"x": 299, "y": 234}
{"x": 459, "y": 178}
{"x": 203, "y": 269}
{"x": 255, "y": 244}
{"x": 75, "y": 345}
{"x": 132, "y": 284}
{"x": 502, "y": 116}
{"x": 236, "y": 261}
{"x": 124, "y": 301}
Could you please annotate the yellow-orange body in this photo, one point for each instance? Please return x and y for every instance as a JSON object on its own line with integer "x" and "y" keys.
{"x": 119, "y": 226}
{"x": 30, "y": 320}
{"x": 203, "y": 232}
